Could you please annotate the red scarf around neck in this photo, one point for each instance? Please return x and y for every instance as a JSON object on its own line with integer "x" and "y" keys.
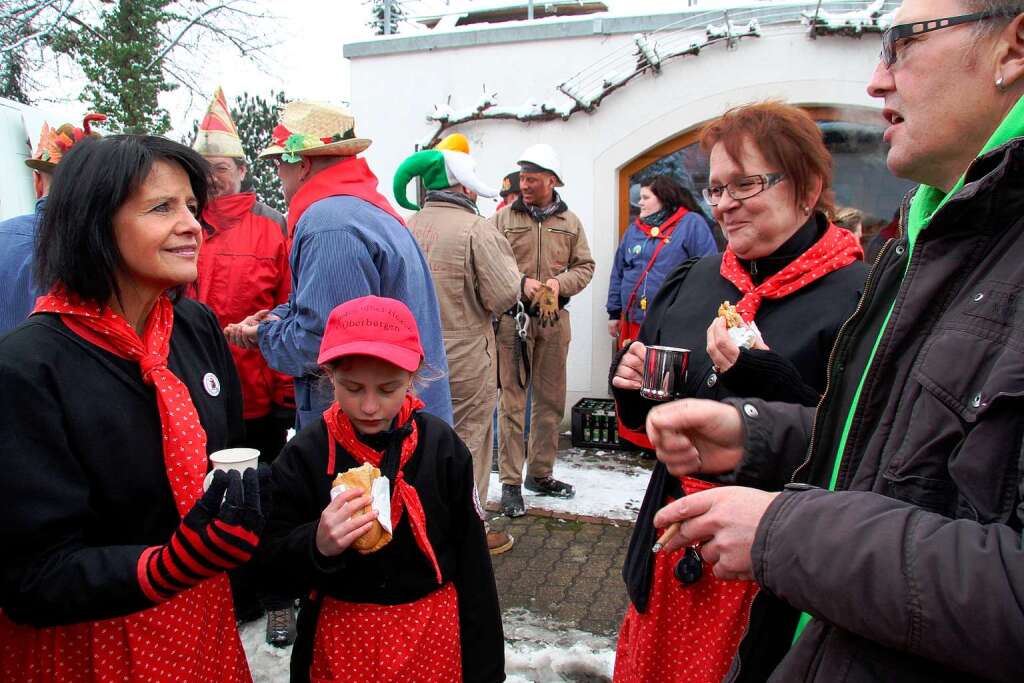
{"x": 663, "y": 230}
{"x": 836, "y": 249}
{"x": 224, "y": 213}
{"x": 404, "y": 496}
{"x": 184, "y": 439}
{"x": 351, "y": 177}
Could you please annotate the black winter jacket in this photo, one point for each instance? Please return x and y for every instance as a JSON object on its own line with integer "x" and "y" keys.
{"x": 441, "y": 471}
{"x": 800, "y": 329}
{"x": 913, "y": 569}
{"x": 84, "y": 487}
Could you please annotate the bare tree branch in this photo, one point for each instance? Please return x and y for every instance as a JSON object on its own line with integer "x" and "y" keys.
{"x": 181, "y": 34}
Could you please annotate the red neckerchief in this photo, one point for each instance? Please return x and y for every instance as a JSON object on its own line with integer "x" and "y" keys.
{"x": 184, "y": 439}
{"x": 405, "y": 497}
{"x": 663, "y": 230}
{"x": 836, "y": 249}
{"x": 224, "y": 213}
{"x": 351, "y": 177}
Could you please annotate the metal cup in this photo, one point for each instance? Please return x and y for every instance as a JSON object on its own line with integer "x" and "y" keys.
{"x": 664, "y": 373}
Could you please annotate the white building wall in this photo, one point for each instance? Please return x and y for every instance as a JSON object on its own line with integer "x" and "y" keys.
{"x": 392, "y": 94}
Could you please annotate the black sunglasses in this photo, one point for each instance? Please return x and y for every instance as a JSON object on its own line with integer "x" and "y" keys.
{"x": 894, "y": 34}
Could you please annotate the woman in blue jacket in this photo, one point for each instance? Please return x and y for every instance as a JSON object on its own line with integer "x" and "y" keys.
{"x": 669, "y": 230}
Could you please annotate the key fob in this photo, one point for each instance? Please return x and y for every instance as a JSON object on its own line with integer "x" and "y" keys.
{"x": 690, "y": 567}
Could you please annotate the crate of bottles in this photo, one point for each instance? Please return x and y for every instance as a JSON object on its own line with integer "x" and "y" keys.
{"x": 594, "y": 425}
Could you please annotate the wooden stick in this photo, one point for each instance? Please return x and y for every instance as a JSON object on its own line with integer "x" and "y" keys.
{"x": 667, "y": 536}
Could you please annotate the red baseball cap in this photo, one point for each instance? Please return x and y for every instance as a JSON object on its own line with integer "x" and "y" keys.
{"x": 373, "y": 326}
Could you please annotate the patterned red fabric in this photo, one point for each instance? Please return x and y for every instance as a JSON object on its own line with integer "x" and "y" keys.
{"x": 351, "y": 177}
{"x": 405, "y": 498}
{"x": 417, "y": 641}
{"x": 183, "y": 436}
{"x": 689, "y": 634}
{"x": 836, "y": 249}
{"x": 191, "y": 638}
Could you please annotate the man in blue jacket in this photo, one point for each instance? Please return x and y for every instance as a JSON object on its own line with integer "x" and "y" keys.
{"x": 347, "y": 242}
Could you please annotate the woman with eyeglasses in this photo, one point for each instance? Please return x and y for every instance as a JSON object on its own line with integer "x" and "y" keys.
{"x": 794, "y": 278}
{"x": 669, "y": 230}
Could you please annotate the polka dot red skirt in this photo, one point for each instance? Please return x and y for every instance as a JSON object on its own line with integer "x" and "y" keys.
{"x": 689, "y": 634}
{"x": 417, "y": 641}
{"x": 191, "y": 638}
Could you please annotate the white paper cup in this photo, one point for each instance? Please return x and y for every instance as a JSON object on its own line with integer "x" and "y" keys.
{"x": 238, "y": 459}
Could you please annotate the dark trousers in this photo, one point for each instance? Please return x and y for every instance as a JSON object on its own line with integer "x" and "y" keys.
{"x": 266, "y": 434}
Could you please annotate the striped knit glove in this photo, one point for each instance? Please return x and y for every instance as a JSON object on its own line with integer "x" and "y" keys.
{"x": 213, "y": 537}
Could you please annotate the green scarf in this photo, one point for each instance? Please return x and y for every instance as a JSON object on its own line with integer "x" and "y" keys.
{"x": 926, "y": 203}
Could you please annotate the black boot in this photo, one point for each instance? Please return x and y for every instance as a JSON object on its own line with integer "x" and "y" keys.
{"x": 512, "y": 504}
{"x": 549, "y": 486}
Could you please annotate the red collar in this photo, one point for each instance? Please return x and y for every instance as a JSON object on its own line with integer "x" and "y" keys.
{"x": 666, "y": 228}
{"x": 224, "y": 213}
{"x": 352, "y": 177}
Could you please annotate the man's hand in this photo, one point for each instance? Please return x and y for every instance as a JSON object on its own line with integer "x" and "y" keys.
{"x": 546, "y": 303}
{"x": 244, "y": 333}
{"x": 695, "y": 435}
{"x": 630, "y": 373}
{"x": 555, "y": 287}
{"x": 724, "y": 520}
{"x": 613, "y": 328}
{"x": 530, "y": 287}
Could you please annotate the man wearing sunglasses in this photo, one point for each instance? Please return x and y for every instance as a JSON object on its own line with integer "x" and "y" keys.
{"x": 892, "y": 514}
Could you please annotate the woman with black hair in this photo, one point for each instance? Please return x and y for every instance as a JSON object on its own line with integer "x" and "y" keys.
{"x": 114, "y": 393}
{"x": 670, "y": 229}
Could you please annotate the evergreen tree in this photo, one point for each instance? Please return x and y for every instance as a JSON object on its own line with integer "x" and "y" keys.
{"x": 116, "y": 59}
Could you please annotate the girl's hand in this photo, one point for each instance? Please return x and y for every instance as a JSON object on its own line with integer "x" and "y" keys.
{"x": 630, "y": 373}
{"x": 340, "y": 525}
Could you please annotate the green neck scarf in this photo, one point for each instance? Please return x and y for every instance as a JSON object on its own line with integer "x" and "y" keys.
{"x": 930, "y": 199}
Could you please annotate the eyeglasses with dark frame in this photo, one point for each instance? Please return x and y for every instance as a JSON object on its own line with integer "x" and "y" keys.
{"x": 742, "y": 188}
{"x": 895, "y": 34}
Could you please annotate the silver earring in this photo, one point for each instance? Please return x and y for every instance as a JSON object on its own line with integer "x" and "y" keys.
{"x": 807, "y": 211}
{"x": 999, "y": 84}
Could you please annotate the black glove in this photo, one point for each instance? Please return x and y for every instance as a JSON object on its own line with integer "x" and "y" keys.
{"x": 216, "y": 535}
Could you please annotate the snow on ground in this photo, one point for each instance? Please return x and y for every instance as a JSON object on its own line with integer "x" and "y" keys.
{"x": 608, "y": 484}
{"x": 537, "y": 650}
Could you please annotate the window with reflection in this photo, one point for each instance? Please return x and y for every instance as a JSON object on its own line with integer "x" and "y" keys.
{"x": 860, "y": 177}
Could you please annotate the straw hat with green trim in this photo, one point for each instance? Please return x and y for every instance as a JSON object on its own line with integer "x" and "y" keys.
{"x": 314, "y": 129}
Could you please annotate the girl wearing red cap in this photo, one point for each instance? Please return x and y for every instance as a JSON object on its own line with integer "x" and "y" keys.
{"x": 424, "y": 606}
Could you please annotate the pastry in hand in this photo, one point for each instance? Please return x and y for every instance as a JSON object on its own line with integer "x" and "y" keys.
{"x": 732, "y": 317}
{"x": 362, "y": 478}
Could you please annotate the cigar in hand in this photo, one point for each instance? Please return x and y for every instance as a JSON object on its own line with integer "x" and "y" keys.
{"x": 671, "y": 531}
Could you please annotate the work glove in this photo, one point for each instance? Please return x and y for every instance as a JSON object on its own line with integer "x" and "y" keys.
{"x": 546, "y": 304}
{"x": 219, "y": 533}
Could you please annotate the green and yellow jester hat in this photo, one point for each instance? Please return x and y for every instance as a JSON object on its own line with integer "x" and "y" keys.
{"x": 440, "y": 168}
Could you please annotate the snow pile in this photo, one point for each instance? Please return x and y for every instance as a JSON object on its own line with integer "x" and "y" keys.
{"x": 853, "y": 23}
{"x": 537, "y": 650}
{"x": 268, "y": 664}
{"x": 540, "y": 650}
{"x": 733, "y": 30}
{"x": 608, "y": 488}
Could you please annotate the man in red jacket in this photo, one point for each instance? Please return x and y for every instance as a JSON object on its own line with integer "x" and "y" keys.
{"x": 243, "y": 268}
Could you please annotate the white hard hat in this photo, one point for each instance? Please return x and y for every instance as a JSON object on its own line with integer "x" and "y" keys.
{"x": 543, "y": 156}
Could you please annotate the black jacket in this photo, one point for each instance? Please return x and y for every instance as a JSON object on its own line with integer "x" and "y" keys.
{"x": 84, "y": 487}
{"x": 441, "y": 471}
{"x": 799, "y": 329}
{"x": 914, "y": 568}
